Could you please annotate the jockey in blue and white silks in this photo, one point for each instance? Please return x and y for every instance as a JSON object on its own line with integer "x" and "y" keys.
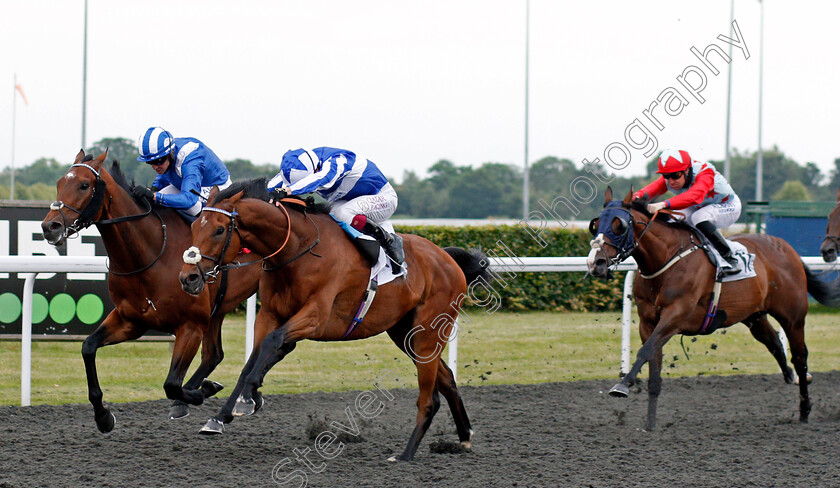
{"x": 358, "y": 191}
{"x": 183, "y": 165}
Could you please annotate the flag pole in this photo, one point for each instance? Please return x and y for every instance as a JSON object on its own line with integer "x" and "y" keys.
{"x": 84, "y": 80}
{"x": 14, "y": 120}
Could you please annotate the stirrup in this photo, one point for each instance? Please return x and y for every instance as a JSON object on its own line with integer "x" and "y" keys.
{"x": 732, "y": 270}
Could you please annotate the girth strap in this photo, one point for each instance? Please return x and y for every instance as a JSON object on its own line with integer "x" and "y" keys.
{"x": 367, "y": 300}
{"x": 670, "y": 263}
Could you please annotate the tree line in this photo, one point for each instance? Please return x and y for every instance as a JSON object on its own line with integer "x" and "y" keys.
{"x": 463, "y": 191}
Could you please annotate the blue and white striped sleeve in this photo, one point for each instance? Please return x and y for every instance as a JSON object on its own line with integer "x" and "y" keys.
{"x": 330, "y": 172}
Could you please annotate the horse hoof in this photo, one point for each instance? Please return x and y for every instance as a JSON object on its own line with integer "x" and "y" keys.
{"x": 210, "y": 388}
{"x": 467, "y": 444}
{"x": 213, "y": 427}
{"x": 105, "y": 423}
{"x": 260, "y": 403}
{"x": 179, "y": 411}
{"x": 619, "y": 391}
{"x": 243, "y": 407}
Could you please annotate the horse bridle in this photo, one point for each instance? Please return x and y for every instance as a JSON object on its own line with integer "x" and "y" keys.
{"x": 622, "y": 252}
{"x": 85, "y": 218}
{"x": 193, "y": 254}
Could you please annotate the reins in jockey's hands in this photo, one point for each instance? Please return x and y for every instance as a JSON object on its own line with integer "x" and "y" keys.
{"x": 143, "y": 193}
{"x": 278, "y": 194}
{"x": 655, "y": 207}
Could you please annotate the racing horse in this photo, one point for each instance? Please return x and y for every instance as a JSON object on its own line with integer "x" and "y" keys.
{"x": 674, "y": 286}
{"x": 313, "y": 283}
{"x": 829, "y": 248}
{"x": 145, "y": 248}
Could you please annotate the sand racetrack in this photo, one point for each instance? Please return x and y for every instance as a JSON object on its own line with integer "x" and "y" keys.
{"x": 734, "y": 431}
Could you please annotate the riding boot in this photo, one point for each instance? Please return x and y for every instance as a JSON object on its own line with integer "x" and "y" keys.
{"x": 391, "y": 243}
{"x": 716, "y": 238}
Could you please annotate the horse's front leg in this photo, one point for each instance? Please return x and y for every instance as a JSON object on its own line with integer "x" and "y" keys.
{"x": 187, "y": 339}
{"x": 273, "y": 350}
{"x": 264, "y": 325}
{"x": 276, "y": 345}
{"x": 211, "y": 355}
{"x": 113, "y": 330}
{"x": 645, "y": 354}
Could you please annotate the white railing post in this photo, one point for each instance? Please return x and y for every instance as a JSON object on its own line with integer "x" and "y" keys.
{"x": 250, "y": 318}
{"x": 26, "y": 341}
{"x": 452, "y": 359}
{"x": 626, "y": 321}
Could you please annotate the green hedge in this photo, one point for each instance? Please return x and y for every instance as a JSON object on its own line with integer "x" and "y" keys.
{"x": 534, "y": 291}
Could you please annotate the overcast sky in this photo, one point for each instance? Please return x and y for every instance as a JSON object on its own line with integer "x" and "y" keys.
{"x": 409, "y": 83}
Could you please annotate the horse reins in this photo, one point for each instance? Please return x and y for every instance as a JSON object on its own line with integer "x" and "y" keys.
{"x": 192, "y": 253}
{"x": 674, "y": 259}
{"x": 85, "y": 218}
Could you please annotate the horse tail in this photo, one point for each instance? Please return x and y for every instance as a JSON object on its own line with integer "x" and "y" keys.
{"x": 825, "y": 292}
{"x": 473, "y": 263}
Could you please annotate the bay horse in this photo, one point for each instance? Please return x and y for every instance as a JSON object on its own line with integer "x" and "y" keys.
{"x": 145, "y": 246}
{"x": 313, "y": 283}
{"x": 829, "y": 248}
{"x": 674, "y": 285}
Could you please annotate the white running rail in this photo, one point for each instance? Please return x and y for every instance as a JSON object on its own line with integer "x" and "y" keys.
{"x": 31, "y": 265}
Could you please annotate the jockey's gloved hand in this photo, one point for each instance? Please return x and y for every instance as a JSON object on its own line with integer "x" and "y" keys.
{"x": 279, "y": 193}
{"x": 141, "y": 192}
{"x": 655, "y": 207}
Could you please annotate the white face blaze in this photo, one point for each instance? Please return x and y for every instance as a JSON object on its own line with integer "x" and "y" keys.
{"x": 595, "y": 244}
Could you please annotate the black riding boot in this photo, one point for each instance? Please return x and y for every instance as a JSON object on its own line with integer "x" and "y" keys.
{"x": 716, "y": 238}
{"x": 392, "y": 243}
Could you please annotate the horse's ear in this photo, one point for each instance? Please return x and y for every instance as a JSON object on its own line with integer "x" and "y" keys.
{"x": 81, "y": 156}
{"x": 608, "y": 196}
{"x": 235, "y": 198}
{"x": 100, "y": 159}
{"x": 629, "y": 197}
{"x": 838, "y": 194}
{"x": 211, "y": 199}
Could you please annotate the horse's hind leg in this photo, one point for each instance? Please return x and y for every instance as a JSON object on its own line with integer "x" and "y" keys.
{"x": 428, "y": 403}
{"x": 799, "y": 357}
{"x": 764, "y": 333}
{"x": 446, "y": 385}
{"x": 211, "y": 355}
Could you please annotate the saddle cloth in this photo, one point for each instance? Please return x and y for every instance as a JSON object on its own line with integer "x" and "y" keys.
{"x": 746, "y": 261}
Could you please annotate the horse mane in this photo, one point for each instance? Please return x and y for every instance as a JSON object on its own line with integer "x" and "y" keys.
{"x": 256, "y": 188}
{"x": 120, "y": 178}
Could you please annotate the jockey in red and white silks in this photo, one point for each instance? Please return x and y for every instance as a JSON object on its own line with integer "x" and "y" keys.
{"x": 702, "y": 194}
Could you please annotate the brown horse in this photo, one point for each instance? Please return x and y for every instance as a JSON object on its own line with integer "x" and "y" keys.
{"x": 674, "y": 286}
{"x": 312, "y": 287}
{"x": 145, "y": 248}
{"x": 829, "y": 248}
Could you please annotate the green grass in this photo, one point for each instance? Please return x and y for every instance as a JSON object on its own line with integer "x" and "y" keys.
{"x": 502, "y": 348}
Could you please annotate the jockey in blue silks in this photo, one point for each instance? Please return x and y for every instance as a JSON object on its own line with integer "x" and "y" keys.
{"x": 184, "y": 165}
{"x": 359, "y": 193}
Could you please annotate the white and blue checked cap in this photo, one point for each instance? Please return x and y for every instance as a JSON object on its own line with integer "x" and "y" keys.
{"x": 155, "y": 144}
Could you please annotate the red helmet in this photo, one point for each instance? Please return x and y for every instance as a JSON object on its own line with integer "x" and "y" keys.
{"x": 672, "y": 161}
